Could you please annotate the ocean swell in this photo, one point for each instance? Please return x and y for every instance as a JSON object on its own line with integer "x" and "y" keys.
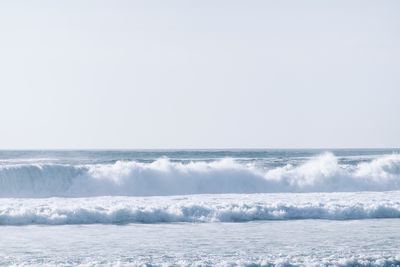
{"x": 164, "y": 177}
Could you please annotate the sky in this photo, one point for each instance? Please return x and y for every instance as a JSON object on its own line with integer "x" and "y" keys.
{"x": 199, "y": 74}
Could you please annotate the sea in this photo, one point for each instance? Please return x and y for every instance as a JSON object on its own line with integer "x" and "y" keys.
{"x": 265, "y": 207}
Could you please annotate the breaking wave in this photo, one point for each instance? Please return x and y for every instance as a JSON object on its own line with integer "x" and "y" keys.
{"x": 164, "y": 177}
{"x": 200, "y": 208}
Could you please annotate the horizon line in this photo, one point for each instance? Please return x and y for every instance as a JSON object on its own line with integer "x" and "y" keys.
{"x": 199, "y": 149}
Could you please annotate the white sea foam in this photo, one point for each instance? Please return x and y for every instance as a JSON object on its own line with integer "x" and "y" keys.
{"x": 200, "y": 208}
{"x": 163, "y": 177}
{"x": 360, "y": 261}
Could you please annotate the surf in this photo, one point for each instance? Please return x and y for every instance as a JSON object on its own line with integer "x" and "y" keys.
{"x": 163, "y": 177}
{"x": 200, "y": 208}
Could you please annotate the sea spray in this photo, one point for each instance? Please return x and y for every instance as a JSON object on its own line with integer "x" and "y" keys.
{"x": 165, "y": 177}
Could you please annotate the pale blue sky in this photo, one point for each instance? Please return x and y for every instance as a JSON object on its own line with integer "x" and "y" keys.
{"x": 199, "y": 74}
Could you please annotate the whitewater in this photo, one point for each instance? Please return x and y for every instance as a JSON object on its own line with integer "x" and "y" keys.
{"x": 162, "y": 177}
{"x": 200, "y": 208}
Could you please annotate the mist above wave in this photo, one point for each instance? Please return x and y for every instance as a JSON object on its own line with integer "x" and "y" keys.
{"x": 163, "y": 177}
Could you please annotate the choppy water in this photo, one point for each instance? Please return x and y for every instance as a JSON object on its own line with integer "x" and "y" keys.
{"x": 206, "y": 207}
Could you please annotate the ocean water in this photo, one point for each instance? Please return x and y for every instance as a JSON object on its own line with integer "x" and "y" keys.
{"x": 200, "y": 208}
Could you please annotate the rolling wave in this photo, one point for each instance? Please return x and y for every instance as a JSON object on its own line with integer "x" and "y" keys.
{"x": 200, "y": 208}
{"x": 163, "y": 177}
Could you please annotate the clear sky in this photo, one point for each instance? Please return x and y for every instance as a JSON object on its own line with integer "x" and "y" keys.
{"x": 199, "y": 74}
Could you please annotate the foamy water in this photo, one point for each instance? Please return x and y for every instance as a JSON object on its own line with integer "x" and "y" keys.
{"x": 284, "y": 243}
{"x": 200, "y": 208}
{"x": 322, "y": 173}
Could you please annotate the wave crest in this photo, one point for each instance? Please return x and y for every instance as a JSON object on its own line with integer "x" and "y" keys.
{"x": 163, "y": 177}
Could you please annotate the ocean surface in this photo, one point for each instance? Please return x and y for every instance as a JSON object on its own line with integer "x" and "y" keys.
{"x": 318, "y": 207}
